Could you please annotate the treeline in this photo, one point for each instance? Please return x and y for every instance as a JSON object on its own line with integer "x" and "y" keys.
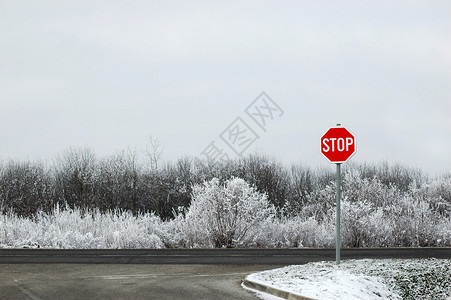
{"x": 234, "y": 214}
{"x": 79, "y": 179}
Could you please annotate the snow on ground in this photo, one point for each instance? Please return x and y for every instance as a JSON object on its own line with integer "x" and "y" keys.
{"x": 364, "y": 279}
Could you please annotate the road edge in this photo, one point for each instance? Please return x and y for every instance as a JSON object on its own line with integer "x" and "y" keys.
{"x": 273, "y": 291}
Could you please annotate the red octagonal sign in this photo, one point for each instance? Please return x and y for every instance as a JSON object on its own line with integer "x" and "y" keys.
{"x": 338, "y": 145}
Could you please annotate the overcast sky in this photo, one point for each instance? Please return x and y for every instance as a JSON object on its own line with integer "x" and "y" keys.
{"x": 108, "y": 74}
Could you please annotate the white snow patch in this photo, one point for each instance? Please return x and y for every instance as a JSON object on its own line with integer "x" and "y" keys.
{"x": 352, "y": 279}
{"x": 324, "y": 281}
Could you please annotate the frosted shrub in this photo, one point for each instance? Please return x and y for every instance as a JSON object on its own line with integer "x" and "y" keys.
{"x": 380, "y": 215}
{"x": 174, "y": 232}
{"x": 414, "y": 223}
{"x": 357, "y": 189}
{"x": 320, "y": 203}
{"x": 439, "y": 193}
{"x": 292, "y": 232}
{"x": 267, "y": 235}
{"x": 223, "y": 215}
{"x": 308, "y": 232}
{"x": 364, "y": 225}
{"x": 70, "y": 228}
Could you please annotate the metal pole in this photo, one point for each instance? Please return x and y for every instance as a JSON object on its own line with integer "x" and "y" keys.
{"x": 338, "y": 245}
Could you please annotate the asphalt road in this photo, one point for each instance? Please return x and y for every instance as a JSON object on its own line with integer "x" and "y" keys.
{"x": 158, "y": 274}
{"x": 208, "y": 256}
{"x": 109, "y": 281}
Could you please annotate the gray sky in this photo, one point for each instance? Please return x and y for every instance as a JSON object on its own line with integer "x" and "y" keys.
{"x": 108, "y": 74}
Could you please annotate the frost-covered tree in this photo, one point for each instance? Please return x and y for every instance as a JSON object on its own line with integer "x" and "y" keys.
{"x": 223, "y": 215}
{"x": 25, "y": 187}
{"x": 75, "y": 173}
{"x": 118, "y": 181}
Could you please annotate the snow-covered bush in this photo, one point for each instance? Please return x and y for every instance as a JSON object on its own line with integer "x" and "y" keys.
{"x": 365, "y": 225}
{"x": 174, "y": 233}
{"x": 356, "y": 188}
{"x": 224, "y": 215}
{"x": 439, "y": 194}
{"x": 413, "y": 223}
{"x": 380, "y": 215}
{"x": 295, "y": 232}
{"x": 72, "y": 228}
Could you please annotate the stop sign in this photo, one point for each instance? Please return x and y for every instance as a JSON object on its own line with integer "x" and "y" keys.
{"x": 338, "y": 145}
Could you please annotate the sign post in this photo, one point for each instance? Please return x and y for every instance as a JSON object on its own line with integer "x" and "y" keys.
{"x": 338, "y": 145}
{"x": 338, "y": 226}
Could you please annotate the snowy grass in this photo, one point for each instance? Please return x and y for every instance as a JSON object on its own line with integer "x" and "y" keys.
{"x": 364, "y": 279}
{"x": 72, "y": 228}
